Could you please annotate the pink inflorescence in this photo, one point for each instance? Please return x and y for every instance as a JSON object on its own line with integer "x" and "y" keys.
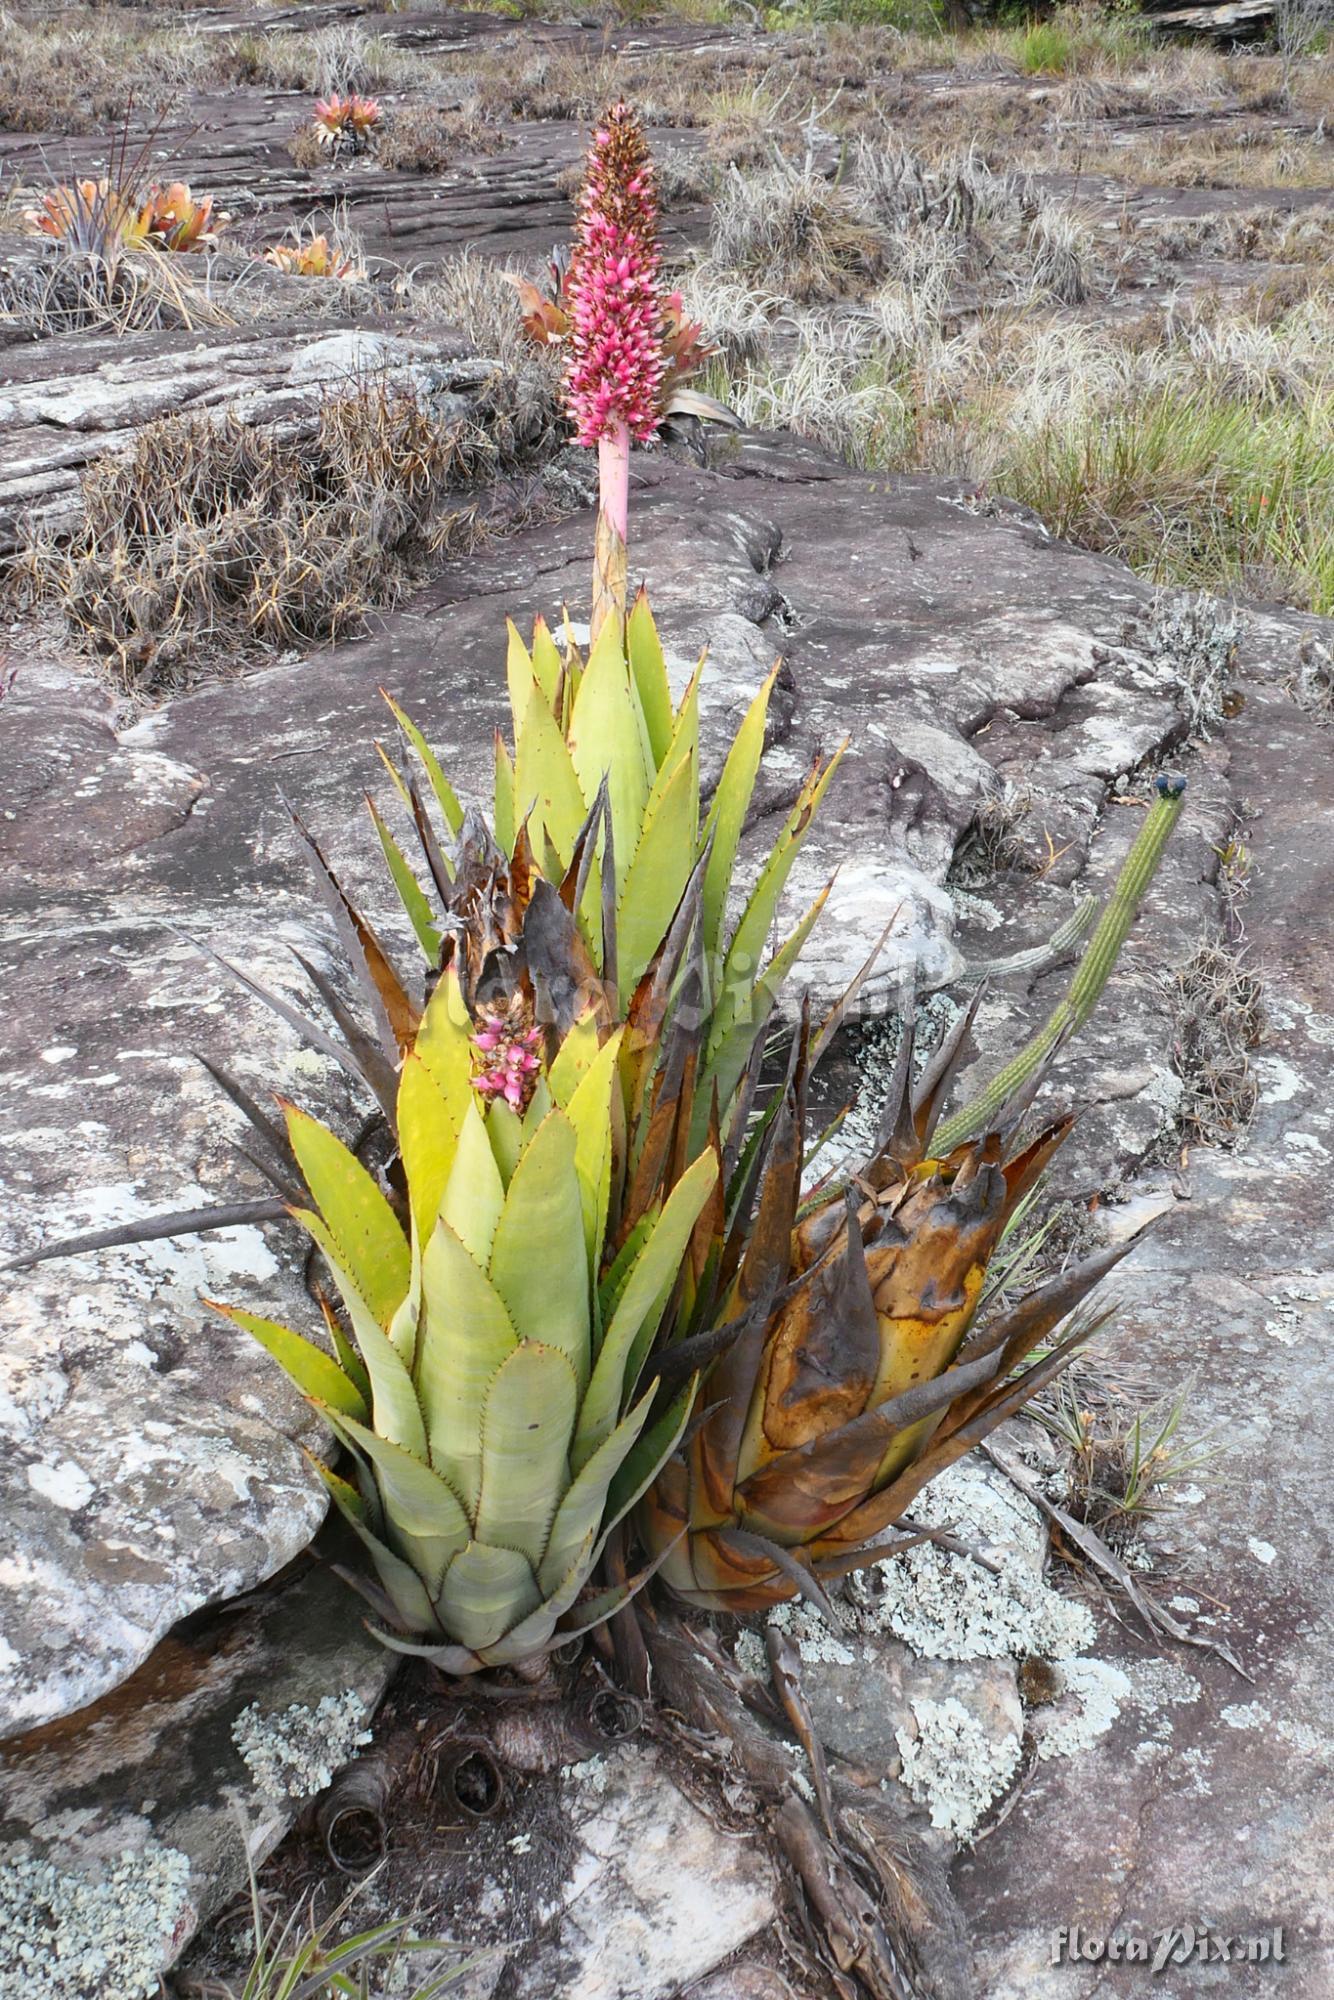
{"x": 617, "y": 360}
{"x": 511, "y": 1056}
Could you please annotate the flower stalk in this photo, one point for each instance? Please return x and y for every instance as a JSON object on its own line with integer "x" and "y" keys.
{"x": 614, "y": 381}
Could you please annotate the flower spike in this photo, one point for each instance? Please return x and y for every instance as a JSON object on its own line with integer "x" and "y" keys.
{"x": 614, "y": 381}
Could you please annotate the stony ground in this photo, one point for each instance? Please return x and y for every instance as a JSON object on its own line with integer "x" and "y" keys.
{"x": 1009, "y": 698}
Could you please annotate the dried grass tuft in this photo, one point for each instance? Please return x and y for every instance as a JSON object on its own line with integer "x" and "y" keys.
{"x": 1219, "y": 1010}
{"x": 214, "y": 536}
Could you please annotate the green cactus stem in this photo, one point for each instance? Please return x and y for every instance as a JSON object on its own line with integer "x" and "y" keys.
{"x": 1091, "y": 974}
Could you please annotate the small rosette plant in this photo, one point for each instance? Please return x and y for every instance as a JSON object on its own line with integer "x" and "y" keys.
{"x": 312, "y": 257}
{"x": 101, "y": 219}
{"x": 346, "y": 124}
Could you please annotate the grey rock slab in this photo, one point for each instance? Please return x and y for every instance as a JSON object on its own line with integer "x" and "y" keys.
{"x": 153, "y": 1459}
{"x": 658, "y": 1896}
{"x": 1207, "y": 1799}
{"x": 125, "y": 1826}
{"x": 88, "y": 398}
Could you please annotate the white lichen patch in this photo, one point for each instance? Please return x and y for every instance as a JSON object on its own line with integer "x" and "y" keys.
{"x": 815, "y": 1639}
{"x": 1164, "y": 1683}
{"x": 68, "y": 1936}
{"x": 1093, "y": 1695}
{"x": 952, "y": 1766}
{"x": 294, "y": 1755}
{"x": 950, "y": 1607}
{"x": 1246, "y": 1715}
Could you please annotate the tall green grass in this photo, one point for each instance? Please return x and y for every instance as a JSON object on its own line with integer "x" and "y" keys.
{"x": 1201, "y": 487}
{"x": 1075, "y": 38}
{"x": 1205, "y": 486}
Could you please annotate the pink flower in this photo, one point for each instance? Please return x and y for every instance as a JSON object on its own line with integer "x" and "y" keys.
{"x": 617, "y": 360}
{"x": 510, "y": 1050}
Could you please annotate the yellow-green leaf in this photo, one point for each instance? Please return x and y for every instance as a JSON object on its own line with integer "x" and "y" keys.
{"x": 649, "y": 670}
{"x": 650, "y": 1277}
{"x": 410, "y": 892}
{"x": 727, "y": 814}
{"x": 370, "y": 1243}
{"x": 608, "y": 739}
{"x": 475, "y": 1193}
{"x": 655, "y": 880}
{"x": 485, "y": 1592}
{"x": 394, "y": 1407}
{"x": 742, "y": 965}
{"x": 466, "y": 1335}
{"x": 440, "y": 785}
{"x": 527, "y": 1428}
{"x": 741, "y": 1014}
{"x": 315, "y": 1373}
{"x": 425, "y": 1519}
{"x": 589, "y": 1111}
{"x": 444, "y": 1045}
{"x": 427, "y": 1140}
{"x": 537, "y": 1265}
{"x": 505, "y": 824}
{"x": 545, "y": 784}
{"x": 547, "y": 663}
{"x": 574, "y": 1057}
{"x": 518, "y": 672}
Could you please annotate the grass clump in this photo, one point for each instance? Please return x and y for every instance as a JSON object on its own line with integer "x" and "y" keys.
{"x": 906, "y": 17}
{"x": 1076, "y": 40}
{"x": 340, "y": 58}
{"x": 213, "y": 537}
{"x": 426, "y": 139}
{"x": 798, "y": 232}
{"x": 1246, "y": 157}
{"x": 942, "y": 336}
{"x": 1121, "y": 1467}
{"x": 1200, "y": 486}
{"x": 81, "y": 70}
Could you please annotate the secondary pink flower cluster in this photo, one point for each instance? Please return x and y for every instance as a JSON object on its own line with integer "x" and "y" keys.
{"x": 511, "y": 1055}
{"x": 617, "y": 360}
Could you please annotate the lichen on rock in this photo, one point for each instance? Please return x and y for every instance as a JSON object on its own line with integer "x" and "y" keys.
{"x": 294, "y": 1755}
{"x": 1098, "y": 1690}
{"x": 106, "y": 1931}
{"x": 950, "y": 1607}
{"x": 953, "y": 1767}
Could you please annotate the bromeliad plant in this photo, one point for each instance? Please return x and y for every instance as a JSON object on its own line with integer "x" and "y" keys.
{"x": 865, "y": 1360}
{"x": 491, "y": 1393}
{"x": 313, "y": 257}
{"x": 346, "y": 124}
{"x": 103, "y": 218}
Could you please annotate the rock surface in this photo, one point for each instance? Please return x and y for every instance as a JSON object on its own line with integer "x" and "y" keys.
{"x": 69, "y": 401}
{"x": 124, "y": 1825}
{"x": 1208, "y": 1801}
{"x": 655, "y": 1898}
